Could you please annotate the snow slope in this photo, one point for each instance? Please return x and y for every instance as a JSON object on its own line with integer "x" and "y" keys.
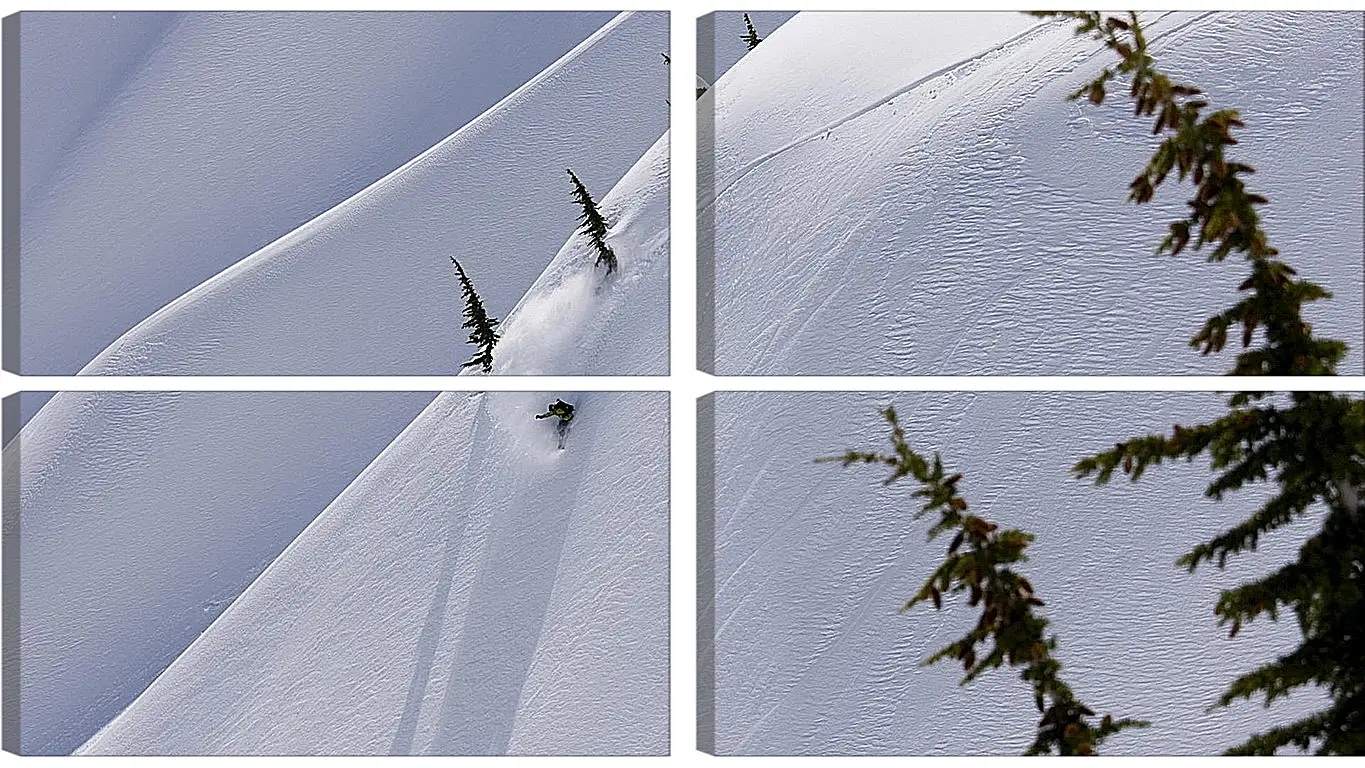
{"x": 143, "y": 515}
{"x": 368, "y": 288}
{"x": 912, "y": 193}
{"x": 812, "y": 563}
{"x": 571, "y": 317}
{"x": 158, "y": 149}
{"x": 474, "y": 591}
{"x": 578, "y": 321}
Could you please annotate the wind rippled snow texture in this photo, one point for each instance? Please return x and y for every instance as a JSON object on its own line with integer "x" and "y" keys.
{"x": 332, "y": 297}
{"x": 813, "y": 562}
{"x": 953, "y": 213}
{"x": 142, "y": 515}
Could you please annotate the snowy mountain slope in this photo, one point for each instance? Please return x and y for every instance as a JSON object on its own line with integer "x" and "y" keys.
{"x": 159, "y": 149}
{"x": 474, "y": 591}
{"x": 141, "y": 516}
{"x": 623, "y": 323}
{"x": 812, "y": 563}
{"x": 913, "y": 194}
{"x": 368, "y": 288}
{"x": 576, "y": 320}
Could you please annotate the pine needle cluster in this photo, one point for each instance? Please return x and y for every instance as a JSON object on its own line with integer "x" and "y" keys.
{"x": 980, "y": 562}
{"x": 482, "y": 332}
{"x": 1310, "y": 444}
{"x": 593, "y": 224}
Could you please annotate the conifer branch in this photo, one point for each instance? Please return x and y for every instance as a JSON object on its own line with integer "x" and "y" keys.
{"x": 1222, "y": 212}
{"x": 1313, "y": 449}
{"x": 593, "y": 225}
{"x": 978, "y": 562}
{"x": 482, "y": 332}
{"x": 750, "y": 37}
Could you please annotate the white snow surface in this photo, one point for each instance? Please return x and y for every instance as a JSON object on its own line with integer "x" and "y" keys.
{"x": 143, "y": 515}
{"x": 128, "y": 469}
{"x": 368, "y": 287}
{"x": 579, "y": 321}
{"x": 814, "y": 561}
{"x": 160, "y": 148}
{"x": 912, "y": 193}
{"x": 573, "y": 315}
{"x": 474, "y": 591}
{"x": 728, "y": 45}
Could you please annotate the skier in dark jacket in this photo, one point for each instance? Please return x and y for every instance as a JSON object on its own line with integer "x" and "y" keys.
{"x": 558, "y": 408}
{"x": 565, "y": 413}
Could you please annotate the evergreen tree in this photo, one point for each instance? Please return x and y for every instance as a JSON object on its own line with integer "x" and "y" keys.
{"x": 482, "y": 333}
{"x": 1309, "y": 444}
{"x": 1007, "y": 600}
{"x": 751, "y": 37}
{"x": 593, "y": 225}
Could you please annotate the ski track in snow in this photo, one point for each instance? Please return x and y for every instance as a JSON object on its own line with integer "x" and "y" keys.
{"x": 960, "y": 218}
{"x": 951, "y": 229}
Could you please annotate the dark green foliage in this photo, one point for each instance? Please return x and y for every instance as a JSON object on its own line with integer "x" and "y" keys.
{"x": 979, "y": 563}
{"x": 750, "y": 37}
{"x": 482, "y": 333}
{"x": 1313, "y": 448}
{"x": 593, "y": 225}
{"x": 1309, "y": 444}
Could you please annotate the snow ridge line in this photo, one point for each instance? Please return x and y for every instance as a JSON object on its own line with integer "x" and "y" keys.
{"x": 306, "y": 228}
{"x": 762, "y": 160}
{"x": 817, "y": 133}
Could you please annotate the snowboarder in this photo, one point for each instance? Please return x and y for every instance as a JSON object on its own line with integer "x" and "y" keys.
{"x": 565, "y": 413}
